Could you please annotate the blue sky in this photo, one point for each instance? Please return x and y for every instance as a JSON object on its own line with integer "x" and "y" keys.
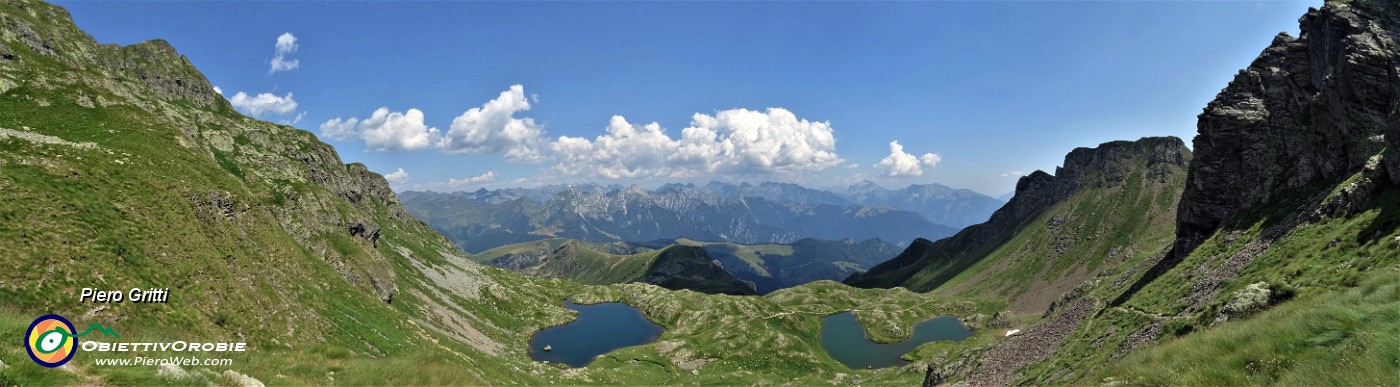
{"x": 974, "y": 93}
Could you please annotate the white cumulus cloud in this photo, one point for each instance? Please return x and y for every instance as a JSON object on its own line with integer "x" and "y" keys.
{"x": 286, "y": 44}
{"x": 340, "y": 130}
{"x": 264, "y": 103}
{"x": 397, "y": 177}
{"x": 1013, "y": 174}
{"x": 626, "y": 150}
{"x": 930, "y": 159}
{"x": 494, "y": 129}
{"x": 732, "y": 141}
{"x": 384, "y": 130}
{"x": 901, "y": 164}
{"x": 218, "y": 90}
{"x": 489, "y": 129}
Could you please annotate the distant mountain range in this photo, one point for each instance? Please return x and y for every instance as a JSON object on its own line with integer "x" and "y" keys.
{"x": 740, "y": 213}
{"x": 673, "y": 266}
{"x": 707, "y": 267}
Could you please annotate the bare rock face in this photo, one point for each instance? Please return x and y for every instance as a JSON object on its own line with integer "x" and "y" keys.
{"x": 151, "y": 69}
{"x": 1392, "y": 157}
{"x": 162, "y": 70}
{"x": 1309, "y": 109}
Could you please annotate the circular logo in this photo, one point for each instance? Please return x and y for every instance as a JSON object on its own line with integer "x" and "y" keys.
{"x": 50, "y": 341}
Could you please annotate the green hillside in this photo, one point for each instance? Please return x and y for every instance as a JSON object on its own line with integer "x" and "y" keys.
{"x": 569, "y": 259}
{"x": 1102, "y": 213}
{"x": 1301, "y": 301}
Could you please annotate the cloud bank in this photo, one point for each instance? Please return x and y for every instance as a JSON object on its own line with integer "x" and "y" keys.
{"x": 736, "y": 141}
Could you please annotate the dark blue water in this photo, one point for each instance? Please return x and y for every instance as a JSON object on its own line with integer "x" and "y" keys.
{"x": 845, "y": 340}
{"x": 599, "y": 329}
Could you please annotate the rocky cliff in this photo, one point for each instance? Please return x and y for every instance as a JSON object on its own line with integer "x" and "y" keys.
{"x": 1310, "y": 110}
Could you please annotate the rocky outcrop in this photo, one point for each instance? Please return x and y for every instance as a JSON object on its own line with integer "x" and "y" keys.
{"x": 147, "y": 70}
{"x": 1311, "y": 109}
{"x": 159, "y": 68}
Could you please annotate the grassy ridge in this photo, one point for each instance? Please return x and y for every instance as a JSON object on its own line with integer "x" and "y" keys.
{"x": 1099, "y": 231}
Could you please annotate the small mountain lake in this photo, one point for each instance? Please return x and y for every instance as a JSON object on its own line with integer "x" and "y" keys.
{"x": 845, "y": 340}
{"x": 599, "y": 329}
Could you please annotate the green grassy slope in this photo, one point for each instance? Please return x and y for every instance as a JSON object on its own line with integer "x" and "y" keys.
{"x": 1106, "y": 210}
{"x": 1347, "y": 260}
{"x": 1336, "y": 337}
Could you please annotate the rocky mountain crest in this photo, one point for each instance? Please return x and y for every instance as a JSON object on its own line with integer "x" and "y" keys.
{"x": 1311, "y": 109}
{"x": 151, "y": 69}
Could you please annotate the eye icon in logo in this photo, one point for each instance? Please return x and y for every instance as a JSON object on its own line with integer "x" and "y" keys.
{"x": 50, "y": 340}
